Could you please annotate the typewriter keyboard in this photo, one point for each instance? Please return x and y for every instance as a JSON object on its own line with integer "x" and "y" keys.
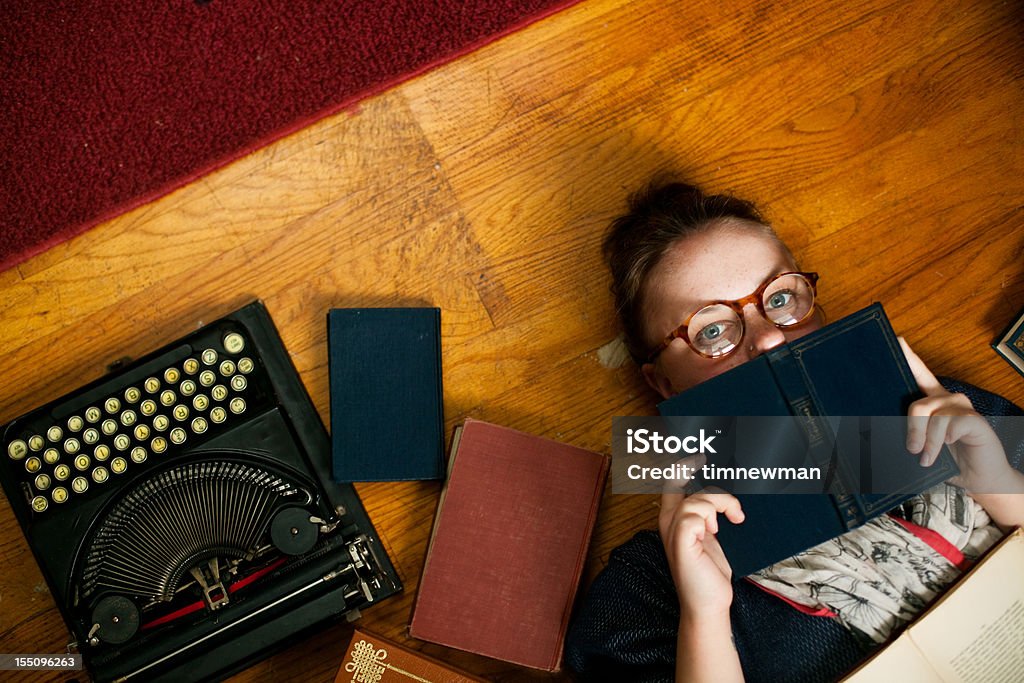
{"x": 127, "y": 426}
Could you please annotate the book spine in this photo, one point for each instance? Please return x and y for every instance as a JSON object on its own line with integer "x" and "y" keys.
{"x": 822, "y": 442}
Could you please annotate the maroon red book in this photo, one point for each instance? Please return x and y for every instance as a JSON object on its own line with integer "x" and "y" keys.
{"x": 508, "y": 546}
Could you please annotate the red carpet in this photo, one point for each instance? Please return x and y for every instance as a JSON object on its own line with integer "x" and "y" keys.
{"x": 107, "y": 105}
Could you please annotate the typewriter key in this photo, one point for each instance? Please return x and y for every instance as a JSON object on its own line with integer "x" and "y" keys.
{"x": 159, "y": 444}
{"x": 54, "y": 433}
{"x": 147, "y": 407}
{"x": 180, "y": 412}
{"x": 152, "y": 385}
{"x": 245, "y": 365}
{"x": 292, "y": 533}
{"x": 118, "y": 465}
{"x": 115, "y": 619}
{"x": 75, "y": 423}
{"x": 93, "y": 414}
{"x": 219, "y": 392}
{"x": 161, "y": 422}
{"x": 82, "y": 463}
{"x": 141, "y": 432}
{"x": 128, "y": 418}
{"x": 199, "y": 425}
{"x": 237, "y": 405}
{"x": 218, "y": 415}
{"x": 209, "y": 356}
{"x": 39, "y": 504}
{"x": 122, "y": 442}
{"x": 171, "y": 375}
{"x": 167, "y": 398}
{"x": 234, "y": 342}
{"x": 17, "y": 449}
{"x": 191, "y": 366}
{"x": 178, "y": 436}
{"x": 112, "y": 405}
{"x": 139, "y": 455}
{"x": 109, "y": 427}
{"x": 206, "y": 378}
{"x": 33, "y": 465}
{"x": 79, "y": 484}
{"x": 132, "y": 394}
{"x": 42, "y": 481}
{"x": 51, "y": 456}
{"x": 200, "y": 402}
{"x": 102, "y": 452}
{"x": 90, "y": 436}
{"x": 59, "y": 494}
{"x": 187, "y": 388}
{"x": 61, "y": 472}
{"x": 36, "y": 443}
{"x": 72, "y": 446}
{"x": 100, "y": 475}
{"x": 227, "y": 368}
{"x": 238, "y": 383}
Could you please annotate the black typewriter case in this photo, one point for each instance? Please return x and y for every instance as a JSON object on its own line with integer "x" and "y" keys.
{"x": 119, "y": 549}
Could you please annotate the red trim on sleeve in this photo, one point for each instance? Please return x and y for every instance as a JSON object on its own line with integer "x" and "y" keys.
{"x": 813, "y": 611}
{"x": 936, "y": 542}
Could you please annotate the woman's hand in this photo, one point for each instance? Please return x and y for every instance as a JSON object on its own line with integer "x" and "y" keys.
{"x": 944, "y": 418}
{"x": 701, "y": 573}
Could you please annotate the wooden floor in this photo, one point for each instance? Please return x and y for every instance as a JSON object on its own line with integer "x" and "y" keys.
{"x": 884, "y": 139}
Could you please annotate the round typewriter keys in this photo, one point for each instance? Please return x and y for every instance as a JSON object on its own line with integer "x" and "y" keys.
{"x": 132, "y": 394}
{"x": 51, "y": 456}
{"x": 128, "y": 418}
{"x": 200, "y": 402}
{"x": 238, "y": 383}
{"x": 237, "y": 405}
{"x": 112, "y": 405}
{"x": 75, "y": 423}
{"x": 158, "y": 445}
{"x": 172, "y": 375}
{"x": 82, "y": 463}
{"x": 191, "y": 366}
{"x": 227, "y": 368}
{"x": 59, "y": 495}
{"x": 141, "y": 433}
{"x": 234, "y": 342}
{"x": 218, "y": 415}
{"x": 178, "y": 436}
{"x": 151, "y": 385}
{"x": 180, "y": 412}
{"x": 100, "y": 475}
{"x": 219, "y": 392}
{"x": 39, "y": 504}
{"x": 109, "y": 427}
{"x": 245, "y": 365}
{"x": 79, "y": 484}
{"x": 17, "y": 449}
{"x": 187, "y": 388}
{"x": 206, "y": 378}
{"x": 93, "y": 414}
{"x": 209, "y": 357}
{"x": 54, "y": 433}
{"x": 122, "y": 442}
{"x": 42, "y": 482}
{"x": 72, "y": 446}
{"x": 61, "y": 472}
{"x": 147, "y": 407}
{"x": 199, "y": 425}
{"x": 118, "y": 465}
{"x": 139, "y": 455}
{"x": 33, "y": 465}
{"x": 36, "y": 443}
{"x": 90, "y": 436}
{"x": 102, "y": 452}
{"x": 161, "y": 423}
{"x": 168, "y": 398}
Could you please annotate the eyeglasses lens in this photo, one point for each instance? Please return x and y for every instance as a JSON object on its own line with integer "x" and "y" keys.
{"x": 788, "y": 300}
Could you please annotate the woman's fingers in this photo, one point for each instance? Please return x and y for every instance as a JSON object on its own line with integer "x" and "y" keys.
{"x": 927, "y": 382}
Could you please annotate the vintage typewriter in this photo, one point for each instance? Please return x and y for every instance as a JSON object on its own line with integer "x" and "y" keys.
{"x": 182, "y": 509}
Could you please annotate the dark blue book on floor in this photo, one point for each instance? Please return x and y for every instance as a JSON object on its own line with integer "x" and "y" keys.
{"x": 387, "y": 418}
{"x": 851, "y": 368}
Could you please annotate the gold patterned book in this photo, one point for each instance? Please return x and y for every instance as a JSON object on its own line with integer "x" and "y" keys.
{"x": 1010, "y": 345}
{"x": 373, "y": 659}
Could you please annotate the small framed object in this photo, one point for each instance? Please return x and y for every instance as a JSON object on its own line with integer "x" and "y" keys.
{"x": 1010, "y": 345}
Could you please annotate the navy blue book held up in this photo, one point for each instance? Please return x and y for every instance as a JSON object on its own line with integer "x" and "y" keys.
{"x": 853, "y": 367}
{"x": 387, "y": 412}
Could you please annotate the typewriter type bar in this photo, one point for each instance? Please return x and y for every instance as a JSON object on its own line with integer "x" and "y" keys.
{"x": 183, "y": 512}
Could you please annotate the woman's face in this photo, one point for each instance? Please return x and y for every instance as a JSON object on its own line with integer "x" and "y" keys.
{"x": 727, "y": 262}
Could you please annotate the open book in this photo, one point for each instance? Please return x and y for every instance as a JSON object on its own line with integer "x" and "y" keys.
{"x": 975, "y": 632}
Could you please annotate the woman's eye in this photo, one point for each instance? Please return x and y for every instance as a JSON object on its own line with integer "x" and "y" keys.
{"x": 780, "y": 299}
{"x": 712, "y": 332}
